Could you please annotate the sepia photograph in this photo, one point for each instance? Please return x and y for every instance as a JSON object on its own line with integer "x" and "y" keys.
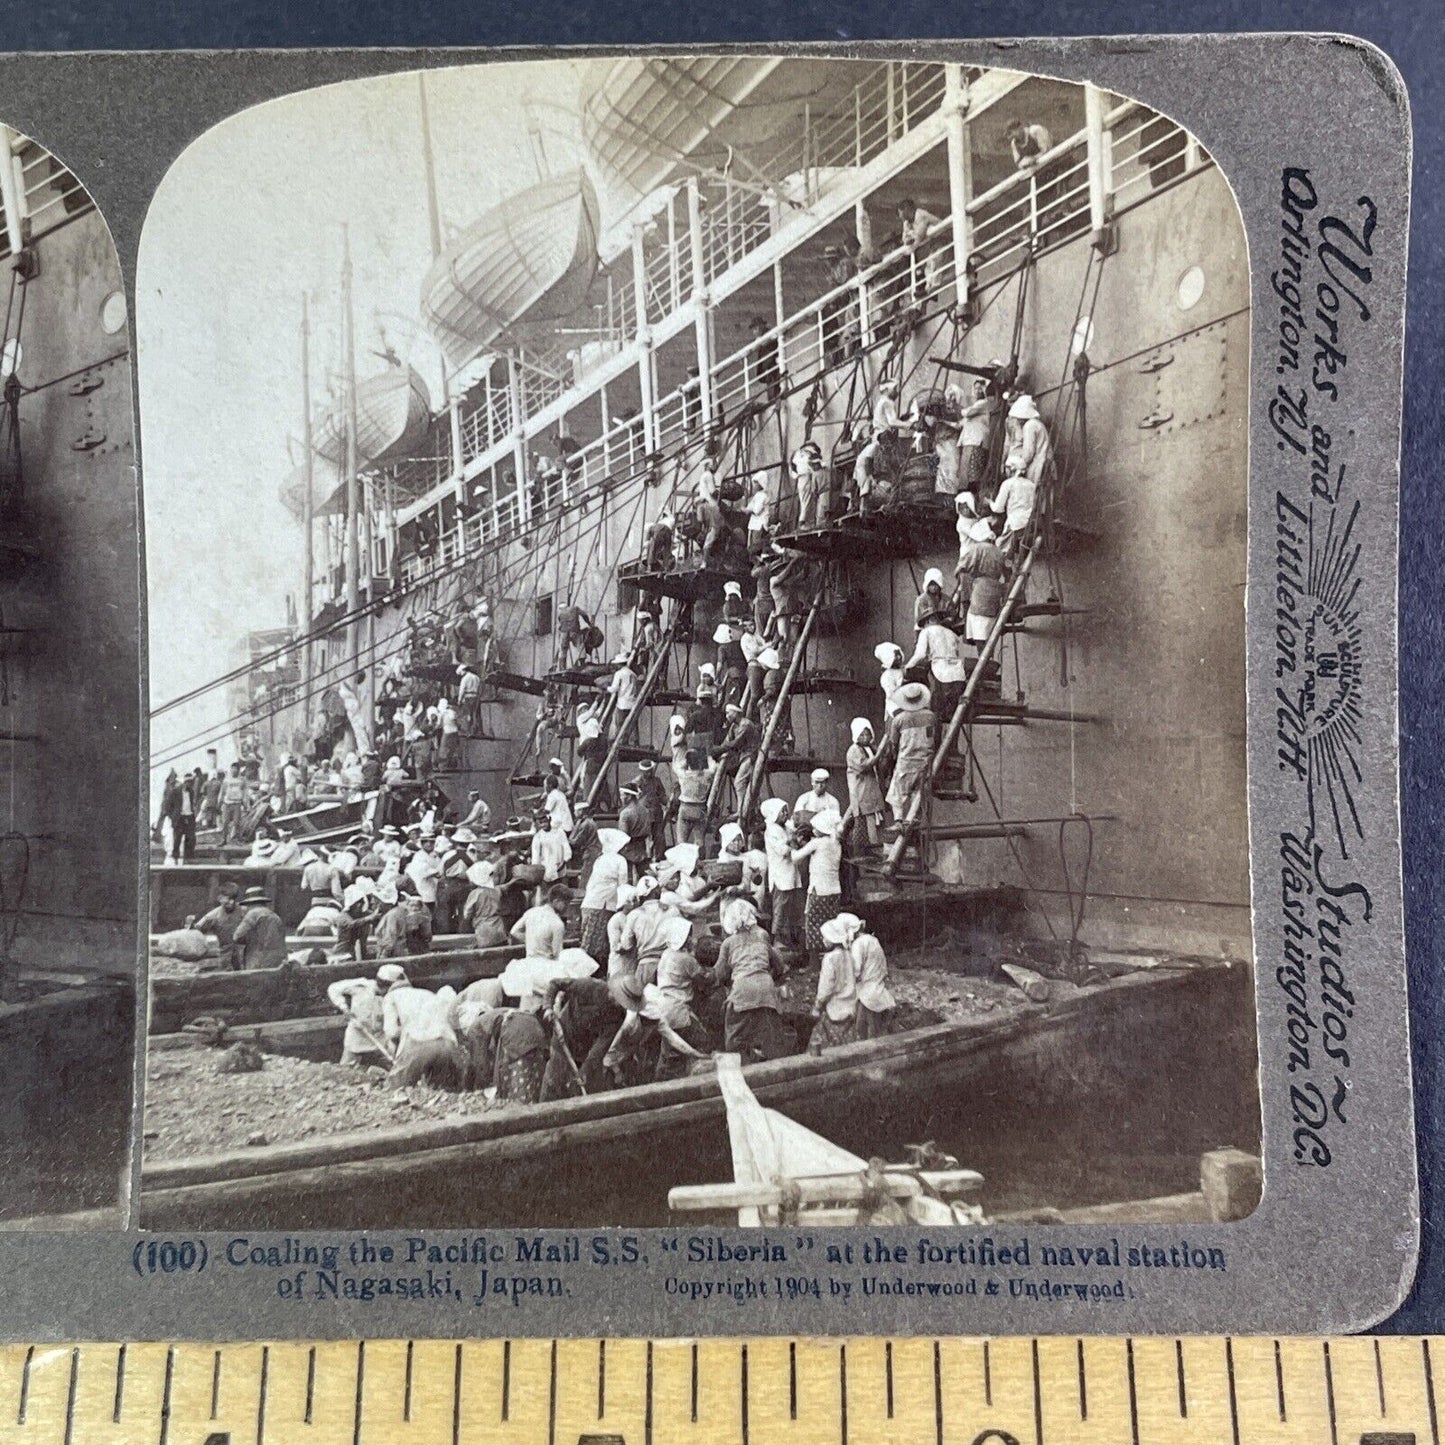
{"x": 69, "y": 704}
{"x": 697, "y": 652}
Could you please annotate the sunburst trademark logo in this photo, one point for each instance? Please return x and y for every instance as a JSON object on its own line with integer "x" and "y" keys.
{"x": 1318, "y": 661}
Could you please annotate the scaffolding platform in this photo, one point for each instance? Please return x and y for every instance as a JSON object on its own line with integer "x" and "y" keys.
{"x": 516, "y": 682}
{"x": 891, "y": 533}
{"x": 689, "y": 581}
{"x": 589, "y": 674}
{"x": 824, "y": 681}
{"x": 669, "y": 697}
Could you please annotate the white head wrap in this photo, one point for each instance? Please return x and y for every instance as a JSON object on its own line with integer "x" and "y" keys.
{"x": 772, "y": 809}
{"x": 859, "y": 726}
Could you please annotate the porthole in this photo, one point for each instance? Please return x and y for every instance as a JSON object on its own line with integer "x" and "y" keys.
{"x": 1191, "y": 287}
{"x": 112, "y": 313}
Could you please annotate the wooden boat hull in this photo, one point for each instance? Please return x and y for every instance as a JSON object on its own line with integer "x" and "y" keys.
{"x": 584, "y": 1160}
{"x": 193, "y": 889}
{"x": 267, "y": 994}
{"x": 393, "y": 413}
{"x": 532, "y": 258}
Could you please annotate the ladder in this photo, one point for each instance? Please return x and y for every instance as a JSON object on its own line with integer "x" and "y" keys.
{"x": 963, "y": 712}
{"x": 752, "y": 789}
{"x": 628, "y": 725}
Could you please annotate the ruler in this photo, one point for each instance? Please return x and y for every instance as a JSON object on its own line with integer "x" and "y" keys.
{"x": 1083, "y": 1391}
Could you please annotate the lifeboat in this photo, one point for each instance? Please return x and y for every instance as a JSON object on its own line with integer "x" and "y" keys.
{"x": 646, "y": 116}
{"x": 531, "y": 258}
{"x": 393, "y": 412}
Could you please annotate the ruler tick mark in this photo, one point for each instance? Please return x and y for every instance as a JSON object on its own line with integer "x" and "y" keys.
{"x": 1380, "y": 1379}
{"x": 261, "y": 1395}
{"x": 456, "y": 1395}
{"x": 647, "y": 1403}
{"x": 166, "y": 1395}
{"x": 843, "y": 1393}
{"x": 215, "y": 1384}
{"x": 792, "y": 1380}
{"x": 552, "y": 1397}
{"x": 744, "y": 1380}
{"x": 601, "y": 1378}
{"x": 1279, "y": 1381}
{"x": 70, "y": 1397}
{"x": 406, "y": 1385}
{"x": 1038, "y": 1397}
{"x": 1083, "y": 1385}
{"x": 1233, "y": 1397}
{"x": 938, "y": 1392}
{"x": 1330, "y": 1397}
{"x": 987, "y": 1377}
{"x": 1179, "y": 1373}
{"x": 360, "y": 1385}
{"x": 310, "y": 1382}
{"x": 694, "y": 1383}
{"x": 506, "y": 1379}
{"x": 30, "y": 1355}
{"x": 1430, "y": 1393}
{"x": 888, "y": 1374}
{"x": 1133, "y": 1392}
{"x": 119, "y": 1386}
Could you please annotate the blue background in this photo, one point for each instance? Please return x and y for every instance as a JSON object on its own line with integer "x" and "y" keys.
{"x": 1412, "y": 33}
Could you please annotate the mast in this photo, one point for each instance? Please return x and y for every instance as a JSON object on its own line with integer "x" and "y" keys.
{"x": 353, "y": 560}
{"x": 309, "y": 507}
{"x": 434, "y": 223}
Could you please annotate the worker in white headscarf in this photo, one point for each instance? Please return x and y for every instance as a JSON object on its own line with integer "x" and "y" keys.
{"x": 865, "y": 792}
{"x": 890, "y": 657}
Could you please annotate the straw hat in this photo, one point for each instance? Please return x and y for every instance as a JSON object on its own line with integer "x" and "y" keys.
{"x": 913, "y": 695}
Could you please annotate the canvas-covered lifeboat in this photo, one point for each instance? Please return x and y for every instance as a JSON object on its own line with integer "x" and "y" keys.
{"x": 530, "y": 258}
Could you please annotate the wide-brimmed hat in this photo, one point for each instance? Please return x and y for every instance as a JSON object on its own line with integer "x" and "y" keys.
{"x": 391, "y": 831}
{"x": 732, "y": 707}
{"x": 255, "y": 895}
{"x": 647, "y": 765}
{"x": 913, "y": 694}
{"x": 464, "y": 835}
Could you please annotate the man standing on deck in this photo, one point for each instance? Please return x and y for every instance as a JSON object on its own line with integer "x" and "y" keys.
{"x": 653, "y": 796}
{"x": 233, "y": 804}
{"x": 425, "y": 869}
{"x": 260, "y": 937}
{"x": 636, "y": 821}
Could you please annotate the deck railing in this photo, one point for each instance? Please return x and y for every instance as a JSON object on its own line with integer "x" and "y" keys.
{"x": 1040, "y": 207}
{"x": 47, "y": 192}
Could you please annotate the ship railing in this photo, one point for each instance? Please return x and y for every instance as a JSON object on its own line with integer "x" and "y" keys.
{"x": 888, "y": 101}
{"x": 1041, "y": 206}
{"x": 851, "y": 314}
{"x": 667, "y": 263}
{"x": 486, "y": 421}
{"x": 1144, "y": 151}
